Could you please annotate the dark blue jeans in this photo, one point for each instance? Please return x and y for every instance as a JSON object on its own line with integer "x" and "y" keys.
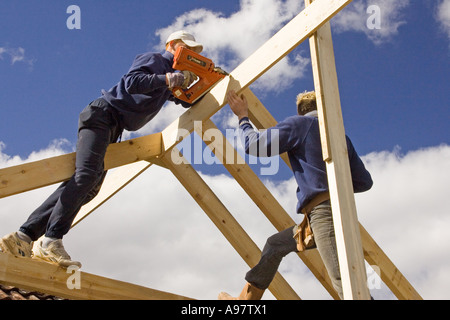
{"x": 98, "y": 126}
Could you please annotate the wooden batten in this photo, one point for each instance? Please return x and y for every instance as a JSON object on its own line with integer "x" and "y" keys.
{"x": 35, "y": 275}
{"x": 38, "y": 174}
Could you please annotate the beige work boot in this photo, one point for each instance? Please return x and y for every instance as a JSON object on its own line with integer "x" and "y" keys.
{"x": 12, "y": 244}
{"x": 55, "y": 253}
{"x": 250, "y": 292}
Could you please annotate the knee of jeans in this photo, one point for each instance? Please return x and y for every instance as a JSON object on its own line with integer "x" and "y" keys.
{"x": 271, "y": 253}
{"x": 276, "y": 248}
{"x": 87, "y": 178}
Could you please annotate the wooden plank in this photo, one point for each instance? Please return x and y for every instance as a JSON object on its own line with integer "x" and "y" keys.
{"x": 35, "y": 275}
{"x": 290, "y": 36}
{"x": 224, "y": 221}
{"x": 261, "y": 196}
{"x": 348, "y": 238}
{"x": 37, "y": 174}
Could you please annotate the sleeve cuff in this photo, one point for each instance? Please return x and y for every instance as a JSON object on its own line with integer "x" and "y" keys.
{"x": 244, "y": 121}
{"x": 161, "y": 80}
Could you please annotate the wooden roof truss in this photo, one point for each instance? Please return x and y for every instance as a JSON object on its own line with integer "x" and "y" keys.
{"x": 134, "y": 156}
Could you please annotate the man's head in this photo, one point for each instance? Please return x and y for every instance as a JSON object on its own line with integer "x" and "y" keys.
{"x": 183, "y": 38}
{"x": 306, "y": 102}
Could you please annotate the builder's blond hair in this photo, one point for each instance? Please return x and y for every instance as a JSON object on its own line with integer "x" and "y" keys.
{"x": 306, "y": 102}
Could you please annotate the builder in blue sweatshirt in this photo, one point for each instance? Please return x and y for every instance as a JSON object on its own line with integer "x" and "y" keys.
{"x": 298, "y": 136}
{"x": 132, "y": 103}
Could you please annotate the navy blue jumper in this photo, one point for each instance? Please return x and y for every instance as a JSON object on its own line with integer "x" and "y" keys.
{"x": 299, "y": 136}
{"x": 133, "y": 102}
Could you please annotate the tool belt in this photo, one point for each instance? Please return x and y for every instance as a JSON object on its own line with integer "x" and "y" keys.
{"x": 304, "y": 235}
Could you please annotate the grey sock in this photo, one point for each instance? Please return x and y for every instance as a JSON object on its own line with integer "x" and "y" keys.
{"x": 46, "y": 241}
{"x": 23, "y": 236}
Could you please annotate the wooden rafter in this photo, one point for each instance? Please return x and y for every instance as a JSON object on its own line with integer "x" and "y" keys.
{"x": 38, "y": 174}
{"x": 334, "y": 149}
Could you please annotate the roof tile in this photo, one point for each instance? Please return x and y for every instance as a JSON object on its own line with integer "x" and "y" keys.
{"x": 13, "y": 293}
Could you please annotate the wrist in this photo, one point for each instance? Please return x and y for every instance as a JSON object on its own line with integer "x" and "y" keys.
{"x": 242, "y": 115}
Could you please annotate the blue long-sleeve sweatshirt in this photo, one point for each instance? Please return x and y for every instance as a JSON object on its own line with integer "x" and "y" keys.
{"x": 299, "y": 136}
{"x": 142, "y": 92}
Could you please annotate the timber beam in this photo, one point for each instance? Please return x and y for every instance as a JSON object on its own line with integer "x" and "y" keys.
{"x": 35, "y": 275}
{"x": 38, "y": 174}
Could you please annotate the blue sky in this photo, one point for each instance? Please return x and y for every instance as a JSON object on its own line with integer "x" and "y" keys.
{"x": 393, "y": 93}
{"x": 394, "y": 88}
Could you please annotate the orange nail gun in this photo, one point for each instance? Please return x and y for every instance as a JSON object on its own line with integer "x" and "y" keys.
{"x": 203, "y": 67}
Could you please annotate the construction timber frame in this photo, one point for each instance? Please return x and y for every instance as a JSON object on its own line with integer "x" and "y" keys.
{"x": 134, "y": 156}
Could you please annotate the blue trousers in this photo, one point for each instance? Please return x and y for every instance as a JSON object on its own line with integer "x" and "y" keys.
{"x": 98, "y": 126}
{"x": 283, "y": 243}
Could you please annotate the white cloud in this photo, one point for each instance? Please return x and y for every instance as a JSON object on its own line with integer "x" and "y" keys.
{"x": 407, "y": 214}
{"x": 55, "y": 148}
{"x": 154, "y": 234}
{"x": 16, "y": 55}
{"x": 355, "y": 18}
{"x": 443, "y": 15}
{"x": 228, "y": 40}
